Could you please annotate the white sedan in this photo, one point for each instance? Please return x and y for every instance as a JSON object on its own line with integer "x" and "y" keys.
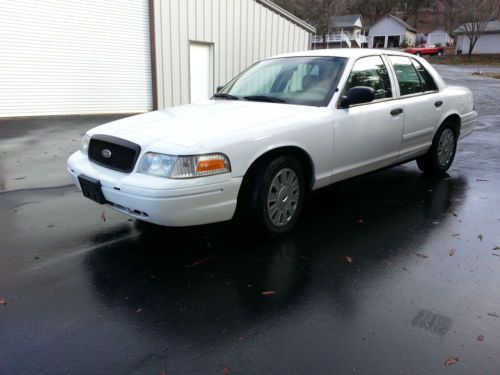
{"x": 284, "y": 127}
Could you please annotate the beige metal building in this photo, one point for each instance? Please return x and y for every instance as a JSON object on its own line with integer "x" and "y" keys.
{"x": 119, "y": 56}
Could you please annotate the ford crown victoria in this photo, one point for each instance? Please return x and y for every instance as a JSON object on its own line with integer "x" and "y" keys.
{"x": 286, "y": 126}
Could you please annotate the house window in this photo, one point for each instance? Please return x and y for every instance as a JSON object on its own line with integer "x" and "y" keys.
{"x": 393, "y": 41}
{"x": 378, "y": 41}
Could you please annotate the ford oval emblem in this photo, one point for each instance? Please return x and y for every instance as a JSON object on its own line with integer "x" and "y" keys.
{"x": 106, "y": 153}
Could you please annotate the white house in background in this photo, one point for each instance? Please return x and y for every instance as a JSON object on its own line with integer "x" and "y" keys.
{"x": 347, "y": 31}
{"x": 89, "y": 57}
{"x": 489, "y": 42}
{"x": 437, "y": 36}
{"x": 389, "y": 32}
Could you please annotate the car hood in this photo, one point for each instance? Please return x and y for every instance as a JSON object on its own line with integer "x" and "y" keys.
{"x": 189, "y": 125}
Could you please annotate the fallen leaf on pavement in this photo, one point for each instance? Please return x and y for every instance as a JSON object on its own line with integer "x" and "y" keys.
{"x": 268, "y": 292}
{"x": 3, "y": 302}
{"x": 198, "y": 262}
{"x": 480, "y": 237}
{"x": 495, "y": 315}
{"x": 349, "y": 259}
{"x": 481, "y": 179}
{"x": 450, "y": 361}
{"x": 227, "y": 370}
{"x": 421, "y": 255}
{"x": 480, "y": 338}
{"x": 455, "y": 234}
{"x": 20, "y": 178}
{"x": 496, "y": 248}
{"x": 497, "y": 255}
{"x": 103, "y": 216}
{"x": 452, "y": 252}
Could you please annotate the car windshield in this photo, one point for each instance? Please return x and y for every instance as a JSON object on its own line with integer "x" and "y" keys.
{"x": 292, "y": 80}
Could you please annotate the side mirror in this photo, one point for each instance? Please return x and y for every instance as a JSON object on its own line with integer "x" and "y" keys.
{"x": 218, "y": 89}
{"x": 357, "y": 95}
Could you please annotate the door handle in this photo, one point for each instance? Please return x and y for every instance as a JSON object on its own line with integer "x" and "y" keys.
{"x": 438, "y": 104}
{"x": 396, "y": 111}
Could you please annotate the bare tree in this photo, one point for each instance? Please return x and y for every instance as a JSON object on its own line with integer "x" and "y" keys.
{"x": 475, "y": 16}
{"x": 413, "y": 7}
{"x": 318, "y": 13}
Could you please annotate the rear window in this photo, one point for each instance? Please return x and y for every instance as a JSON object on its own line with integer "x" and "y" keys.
{"x": 413, "y": 78}
{"x": 426, "y": 79}
{"x": 409, "y": 82}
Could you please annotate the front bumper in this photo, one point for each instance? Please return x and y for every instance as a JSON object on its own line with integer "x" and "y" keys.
{"x": 159, "y": 200}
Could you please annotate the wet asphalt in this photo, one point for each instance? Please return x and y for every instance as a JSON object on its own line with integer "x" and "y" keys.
{"x": 389, "y": 273}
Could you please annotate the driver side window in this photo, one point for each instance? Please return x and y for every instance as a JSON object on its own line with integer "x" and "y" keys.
{"x": 371, "y": 72}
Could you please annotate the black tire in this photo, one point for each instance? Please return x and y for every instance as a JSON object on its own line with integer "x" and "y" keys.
{"x": 436, "y": 161}
{"x": 291, "y": 195}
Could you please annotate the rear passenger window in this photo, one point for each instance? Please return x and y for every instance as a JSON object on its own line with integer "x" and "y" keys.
{"x": 372, "y": 72}
{"x": 426, "y": 79}
{"x": 409, "y": 82}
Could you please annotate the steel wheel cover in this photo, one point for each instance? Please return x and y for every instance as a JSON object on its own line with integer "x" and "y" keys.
{"x": 283, "y": 197}
{"x": 446, "y": 147}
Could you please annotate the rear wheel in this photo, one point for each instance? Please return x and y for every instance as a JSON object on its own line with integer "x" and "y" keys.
{"x": 442, "y": 152}
{"x": 277, "y": 195}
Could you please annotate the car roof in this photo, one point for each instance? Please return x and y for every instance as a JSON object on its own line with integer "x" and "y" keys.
{"x": 342, "y": 52}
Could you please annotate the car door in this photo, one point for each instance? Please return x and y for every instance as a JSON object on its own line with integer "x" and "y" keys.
{"x": 368, "y": 135}
{"x": 421, "y": 102}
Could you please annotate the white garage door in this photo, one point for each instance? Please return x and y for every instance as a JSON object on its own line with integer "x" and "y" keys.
{"x": 74, "y": 57}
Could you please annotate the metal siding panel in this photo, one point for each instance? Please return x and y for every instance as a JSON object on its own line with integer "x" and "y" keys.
{"x": 159, "y": 52}
{"x": 191, "y": 20}
{"x": 166, "y": 54}
{"x": 281, "y": 36}
{"x": 174, "y": 56}
{"x": 200, "y": 20}
{"x": 223, "y": 28}
{"x": 215, "y": 9}
{"x": 251, "y": 30}
{"x": 263, "y": 33}
{"x": 184, "y": 51}
{"x": 237, "y": 36}
{"x": 230, "y": 40}
{"x": 208, "y": 19}
{"x": 74, "y": 57}
{"x": 244, "y": 43}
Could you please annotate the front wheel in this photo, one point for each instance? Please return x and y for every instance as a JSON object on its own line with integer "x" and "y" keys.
{"x": 442, "y": 152}
{"x": 277, "y": 196}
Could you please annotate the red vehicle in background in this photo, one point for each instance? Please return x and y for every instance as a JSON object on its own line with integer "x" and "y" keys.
{"x": 425, "y": 49}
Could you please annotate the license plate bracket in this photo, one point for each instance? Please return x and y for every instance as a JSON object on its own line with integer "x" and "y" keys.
{"x": 91, "y": 188}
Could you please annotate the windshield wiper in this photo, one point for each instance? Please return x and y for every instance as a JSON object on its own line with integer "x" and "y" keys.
{"x": 264, "y": 98}
{"x": 226, "y": 96}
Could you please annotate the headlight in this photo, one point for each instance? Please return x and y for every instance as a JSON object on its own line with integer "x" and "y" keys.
{"x": 156, "y": 164}
{"x": 184, "y": 166}
{"x": 84, "y": 147}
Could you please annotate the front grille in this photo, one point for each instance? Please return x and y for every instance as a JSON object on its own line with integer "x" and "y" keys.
{"x": 114, "y": 153}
